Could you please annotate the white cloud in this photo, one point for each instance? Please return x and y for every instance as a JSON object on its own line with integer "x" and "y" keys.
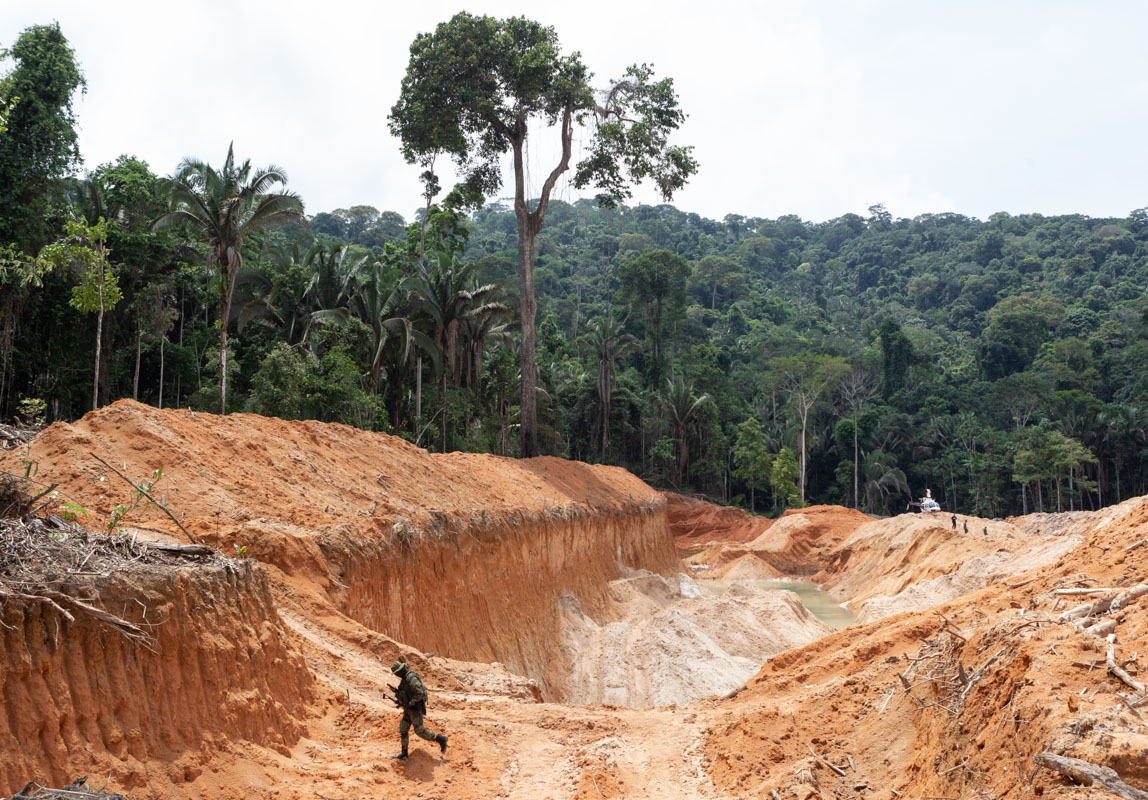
{"x": 817, "y": 108}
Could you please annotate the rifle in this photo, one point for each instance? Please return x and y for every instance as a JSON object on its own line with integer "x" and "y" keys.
{"x": 395, "y": 695}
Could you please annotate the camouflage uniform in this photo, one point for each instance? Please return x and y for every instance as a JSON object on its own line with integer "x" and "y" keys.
{"x": 412, "y": 696}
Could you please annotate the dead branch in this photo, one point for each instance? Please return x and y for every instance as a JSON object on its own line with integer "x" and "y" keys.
{"x": 1021, "y": 583}
{"x": 35, "y": 598}
{"x": 1098, "y": 590}
{"x": 838, "y": 770}
{"x": 148, "y": 496}
{"x": 129, "y": 630}
{"x": 976, "y": 676}
{"x": 1134, "y": 545}
{"x": 1090, "y": 774}
{"x": 1131, "y": 706}
{"x": 1115, "y": 669}
{"x": 32, "y": 502}
{"x": 951, "y": 627}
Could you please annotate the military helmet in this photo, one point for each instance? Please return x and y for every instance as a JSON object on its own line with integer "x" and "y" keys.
{"x": 398, "y": 667}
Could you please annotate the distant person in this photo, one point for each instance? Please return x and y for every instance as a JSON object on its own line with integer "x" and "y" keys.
{"x": 411, "y": 697}
{"x": 954, "y": 521}
{"x": 966, "y": 526}
{"x": 986, "y": 530}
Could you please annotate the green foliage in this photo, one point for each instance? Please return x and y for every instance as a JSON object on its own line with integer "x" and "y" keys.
{"x": 655, "y": 283}
{"x": 222, "y": 207}
{"x": 72, "y": 512}
{"x": 138, "y": 499}
{"x": 896, "y": 355}
{"x": 783, "y": 479}
{"x": 472, "y": 91}
{"x": 84, "y": 250}
{"x": 18, "y": 272}
{"x": 31, "y": 466}
{"x": 32, "y": 412}
{"x": 39, "y": 145}
{"x": 297, "y": 384}
{"x": 752, "y": 461}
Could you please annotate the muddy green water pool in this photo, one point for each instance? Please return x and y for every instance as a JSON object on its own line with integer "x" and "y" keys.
{"x": 819, "y": 603}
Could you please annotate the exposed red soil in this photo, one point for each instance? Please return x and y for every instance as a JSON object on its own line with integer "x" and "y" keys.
{"x": 317, "y": 505}
{"x": 1047, "y": 690}
{"x": 797, "y": 543}
{"x": 695, "y": 522}
{"x": 78, "y": 697}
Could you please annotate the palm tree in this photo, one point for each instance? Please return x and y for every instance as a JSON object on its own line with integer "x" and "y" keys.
{"x": 449, "y": 294}
{"x": 491, "y": 324}
{"x": 881, "y": 479}
{"x": 329, "y": 289}
{"x": 223, "y": 207}
{"x": 607, "y": 342}
{"x": 382, "y": 304}
{"x": 681, "y": 407}
{"x": 1124, "y": 427}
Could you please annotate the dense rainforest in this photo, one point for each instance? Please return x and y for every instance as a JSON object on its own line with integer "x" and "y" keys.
{"x": 766, "y": 362}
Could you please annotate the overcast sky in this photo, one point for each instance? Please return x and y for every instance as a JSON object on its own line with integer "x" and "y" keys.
{"x": 795, "y": 107}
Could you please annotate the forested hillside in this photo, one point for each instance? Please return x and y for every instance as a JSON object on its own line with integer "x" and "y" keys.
{"x": 770, "y": 362}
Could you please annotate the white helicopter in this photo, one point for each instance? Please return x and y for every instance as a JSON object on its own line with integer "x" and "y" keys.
{"x": 926, "y": 504}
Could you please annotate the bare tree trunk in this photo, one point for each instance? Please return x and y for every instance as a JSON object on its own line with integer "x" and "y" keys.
{"x": 162, "y": 341}
{"x": 529, "y": 224}
{"x": 418, "y": 389}
{"x": 442, "y": 408}
{"x": 528, "y": 408}
{"x": 856, "y": 453}
{"x": 99, "y": 339}
{"x": 136, "y": 376}
{"x": 804, "y": 419}
{"x": 223, "y": 362}
{"x": 227, "y": 289}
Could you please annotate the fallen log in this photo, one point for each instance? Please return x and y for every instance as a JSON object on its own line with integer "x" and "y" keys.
{"x": 1102, "y": 628}
{"x": 1114, "y": 602}
{"x": 179, "y": 549}
{"x": 1090, "y": 774}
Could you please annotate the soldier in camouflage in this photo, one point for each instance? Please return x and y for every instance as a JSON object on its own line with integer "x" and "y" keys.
{"x": 411, "y": 696}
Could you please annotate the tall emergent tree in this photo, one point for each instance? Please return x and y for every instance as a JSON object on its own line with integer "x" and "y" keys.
{"x": 223, "y": 207}
{"x": 477, "y": 85}
{"x": 807, "y": 378}
{"x": 39, "y": 145}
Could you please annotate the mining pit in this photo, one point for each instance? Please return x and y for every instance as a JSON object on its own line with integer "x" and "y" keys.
{"x": 582, "y": 634}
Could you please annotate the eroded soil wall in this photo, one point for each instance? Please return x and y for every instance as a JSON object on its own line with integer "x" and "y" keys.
{"x": 491, "y": 592}
{"x": 79, "y": 698}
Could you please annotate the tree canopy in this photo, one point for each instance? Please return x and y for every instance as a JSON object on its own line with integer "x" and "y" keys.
{"x": 476, "y": 86}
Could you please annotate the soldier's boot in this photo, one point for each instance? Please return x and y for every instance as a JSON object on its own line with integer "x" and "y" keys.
{"x": 401, "y": 756}
{"x": 441, "y": 739}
